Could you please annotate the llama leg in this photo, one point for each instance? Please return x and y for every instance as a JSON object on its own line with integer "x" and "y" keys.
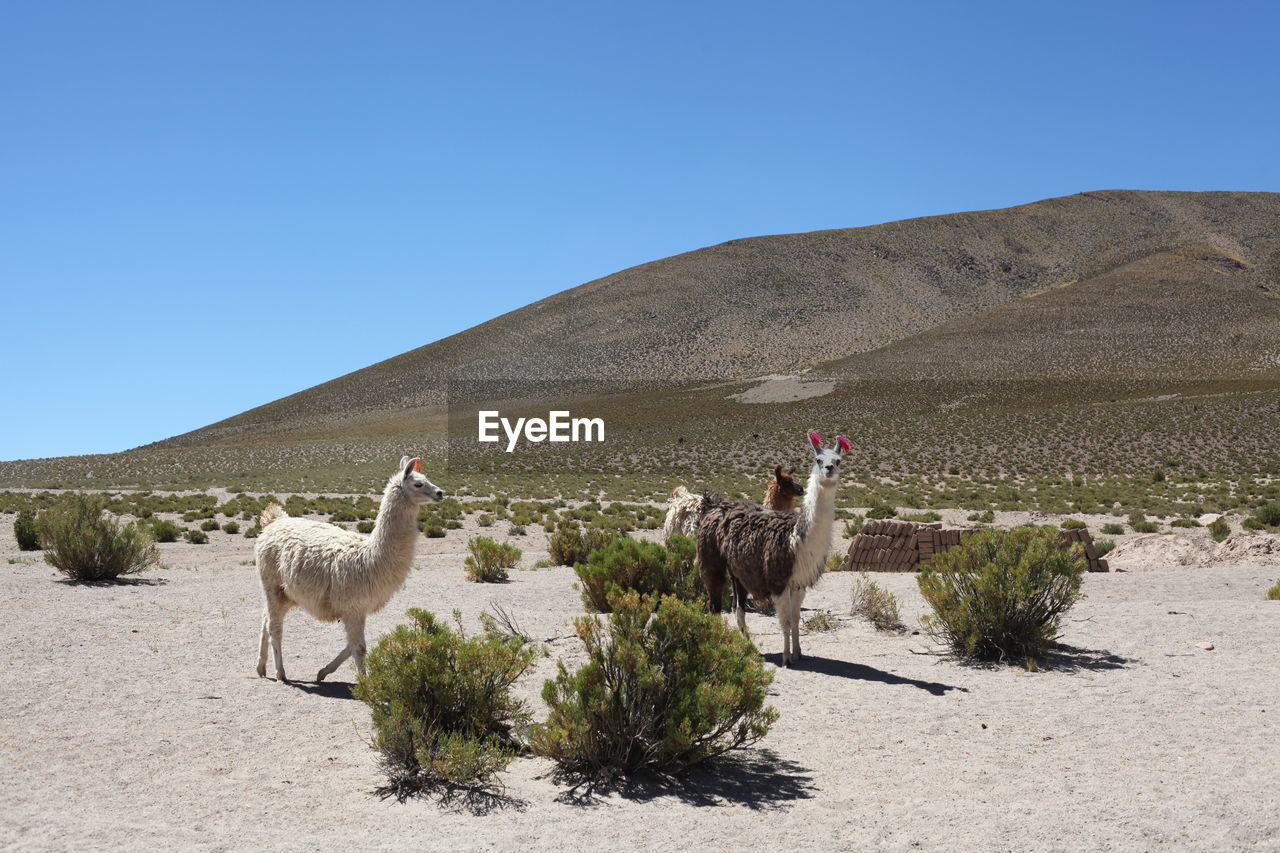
{"x": 354, "y": 626}
{"x": 740, "y": 606}
{"x": 782, "y": 604}
{"x": 266, "y": 641}
{"x": 276, "y": 628}
{"x": 797, "y": 599}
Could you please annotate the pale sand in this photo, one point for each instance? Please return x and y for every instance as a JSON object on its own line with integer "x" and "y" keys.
{"x": 132, "y": 719}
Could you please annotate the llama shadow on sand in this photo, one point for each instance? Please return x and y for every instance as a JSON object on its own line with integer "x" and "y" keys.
{"x": 862, "y": 672}
{"x": 757, "y": 778}
{"x": 327, "y": 689}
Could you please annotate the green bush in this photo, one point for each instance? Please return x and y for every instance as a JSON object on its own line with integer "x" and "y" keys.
{"x": 1139, "y": 524}
{"x": 83, "y": 543}
{"x": 1000, "y": 595}
{"x": 666, "y": 686}
{"x": 1073, "y": 524}
{"x": 433, "y": 531}
{"x": 367, "y": 527}
{"x": 626, "y": 564}
{"x": 1113, "y": 529}
{"x": 164, "y": 530}
{"x": 441, "y": 702}
{"x": 571, "y": 545}
{"x": 196, "y": 537}
{"x": 922, "y": 517}
{"x": 881, "y": 511}
{"x": 231, "y": 528}
{"x": 1219, "y": 529}
{"x": 490, "y": 560}
{"x": 485, "y": 519}
{"x": 1184, "y": 522}
{"x": 987, "y": 517}
{"x": 1273, "y": 594}
{"x": 1103, "y": 547}
{"x": 1268, "y": 514}
{"x": 26, "y": 530}
{"x": 209, "y": 526}
{"x": 252, "y": 531}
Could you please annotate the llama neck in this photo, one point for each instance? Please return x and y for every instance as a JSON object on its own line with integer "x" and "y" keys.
{"x": 390, "y": 545}
{"x": 818, "y": 511}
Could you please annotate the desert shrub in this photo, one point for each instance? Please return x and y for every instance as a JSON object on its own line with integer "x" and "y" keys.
{"x": 1001, "y": 595}
{"x": 209, "y": 526}
{"x": 626, "y": 564}
{"x": 516, "y": 530}
{"x": 819, "y": 623}
{"x": 441, "y": 704}
{"x": 252, "y": 531}
{"x": 987, "y": 517}
{"x": 489, "y": 560}
{"x": 231, "y": 528}
{"x": 80, "y": 541}
{"x": 485, "y": 519}
{"x": 1138, "y": 523}
{"x": 570, "y": 544}
{"x": 1252, "y": 523}
{"x": 1219, "y": 529}
{"x": 666, "y": 686}
{"x": 1103, "y": 547}
{"x": 196, "y": 537}
{"x": 453, "y": 524}
{"x": 433, "y": 531}
{"x": 365, "y": 526}
{"x": 1073, "y": 524}
{"x": 1268, "y": 514}
{"x": 853, "y": 526}
{"x": 1184, "y": 522}
{"x": 876, "y": 603}
{"x": 1113, "y": 529}
{"x": 1273, "y": 594}
{"x": 922, "y": 517}
{"x": 26, "y": 531}
{"x": 881, "y": 511}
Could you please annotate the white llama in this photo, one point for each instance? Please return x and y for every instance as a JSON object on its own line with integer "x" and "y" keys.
{"x": 768, "y": 554}
{"x": 335, "y": 574}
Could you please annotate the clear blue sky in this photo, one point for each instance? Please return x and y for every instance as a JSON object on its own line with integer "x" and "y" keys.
{"x": 207, "y": 206}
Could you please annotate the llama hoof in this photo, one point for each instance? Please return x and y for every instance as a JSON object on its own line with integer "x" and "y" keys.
{"x": 262, "y": 672}
{"x": 320, "y": 676}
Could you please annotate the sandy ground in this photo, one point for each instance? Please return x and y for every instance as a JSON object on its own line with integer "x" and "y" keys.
{"x": 132, "y": 718}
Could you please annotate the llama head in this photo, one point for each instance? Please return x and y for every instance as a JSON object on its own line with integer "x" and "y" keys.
{"x": 786, "y": 481}
{"x": 826, "y": 461}
{"x": 415, "y": 486}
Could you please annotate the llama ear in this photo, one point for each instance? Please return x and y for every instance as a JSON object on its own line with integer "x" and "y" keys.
{"x": 411, "y": 465}
{"x": 845, "y": 446}
{"x": 404, "y": 462}
{"x": 815, "y": 440}
{"x": 777, "y": 471}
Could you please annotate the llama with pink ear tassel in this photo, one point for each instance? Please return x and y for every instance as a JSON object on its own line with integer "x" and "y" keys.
{"x": 771, "y": 555}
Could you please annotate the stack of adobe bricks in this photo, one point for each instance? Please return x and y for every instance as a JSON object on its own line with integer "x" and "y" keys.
{"x": 886, "y": 545}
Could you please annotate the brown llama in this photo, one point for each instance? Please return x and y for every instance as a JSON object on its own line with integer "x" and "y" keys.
{"x": 783, "y": 490}
{"x": 771, "y": 555}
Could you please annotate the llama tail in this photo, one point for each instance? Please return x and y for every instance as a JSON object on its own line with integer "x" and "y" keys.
{"x": 273, "y": 512}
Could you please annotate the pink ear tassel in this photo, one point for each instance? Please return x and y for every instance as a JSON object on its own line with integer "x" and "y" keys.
{"x": 845, "y": 446}
{"x": 417, "y": 465}
{"x": 816, "y": 439}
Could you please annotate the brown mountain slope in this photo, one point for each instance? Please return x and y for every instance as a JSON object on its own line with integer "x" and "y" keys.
{"x": 816, "y": 297}
{"x": 1180, "y": 315}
